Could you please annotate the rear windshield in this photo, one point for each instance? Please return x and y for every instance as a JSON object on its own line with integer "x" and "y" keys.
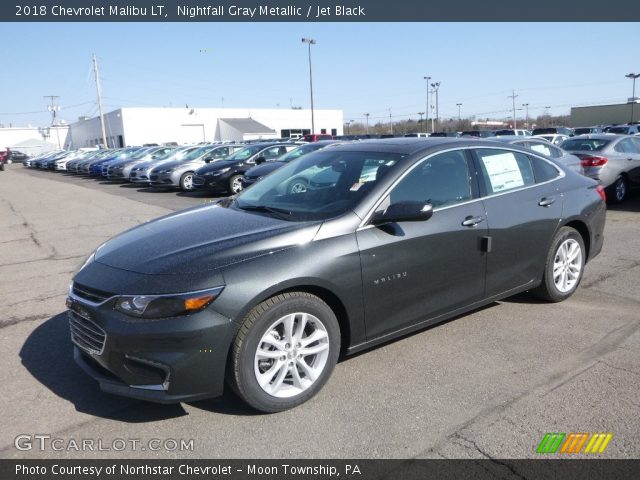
{"x": 582, "y": 131}
{"x": 505, "y": 132}
{"x": 584, "y": 144}
{"x": 621, "y": 130}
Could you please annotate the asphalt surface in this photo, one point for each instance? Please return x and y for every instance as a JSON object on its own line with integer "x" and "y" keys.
{"x": 486, "y": 385}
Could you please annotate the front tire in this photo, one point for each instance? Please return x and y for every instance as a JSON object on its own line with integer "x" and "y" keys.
{"x": 284, "y": 352}
{"x": 186, "y": 182}
{"x": 235, "y": 184}
{"x": 564, "y": 267}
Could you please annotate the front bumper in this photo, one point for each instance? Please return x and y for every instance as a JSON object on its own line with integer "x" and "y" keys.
{"x": 163, "y": 180}
{"x": 161, "y": 360}
{"x": 212, "y": 183}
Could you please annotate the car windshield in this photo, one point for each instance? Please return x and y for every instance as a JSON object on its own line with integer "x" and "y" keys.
{"x": 139, "y": 153}
{"x": 318, "y": 186}
{"x": 581, "y": 131}
{"x": 195, "y": 154}
{"x": 584, "y": 144}
{"x": 298, "y": 152}
{"x": 163, "y": 156}
{"x": 245, "y": 152}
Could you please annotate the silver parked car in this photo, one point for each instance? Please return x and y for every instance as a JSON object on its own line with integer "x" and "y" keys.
{"x": 613, "y": 160}
{"x": 179, "y": 173}
{"x": 141, "y": 172}
{"x": 545, "y": 147}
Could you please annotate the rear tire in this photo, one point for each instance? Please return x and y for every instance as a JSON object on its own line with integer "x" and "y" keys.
{"x": 284, "y": 351}
{"x": 618, "y": 191}
{"x": 564, "y": 267}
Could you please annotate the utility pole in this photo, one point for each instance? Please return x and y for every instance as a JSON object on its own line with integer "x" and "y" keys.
{"x": 513, "y": 99}
{"x": 97, "y": 74}
{"x": 459, "y": 118}
{"x": 427, "y": 110}
{"x": 390, "y": 123}
{"x": 367, "y": 117}
{"x": 54, "y": 109}
{"x": 421, "y": 126}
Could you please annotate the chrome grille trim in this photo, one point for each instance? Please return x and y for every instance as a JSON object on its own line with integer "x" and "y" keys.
{"x": 90, "y": 294}
{"x": 86, "y": 334}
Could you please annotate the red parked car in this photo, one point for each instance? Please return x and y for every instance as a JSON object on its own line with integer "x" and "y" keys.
{"x": 314, "y": 137}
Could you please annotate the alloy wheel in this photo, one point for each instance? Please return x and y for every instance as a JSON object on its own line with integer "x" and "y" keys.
{"x": 567, "y": 265}
{"x": 291, "y": 355}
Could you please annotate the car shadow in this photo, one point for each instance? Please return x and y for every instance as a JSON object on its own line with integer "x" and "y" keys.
{"x": 198, "y": 195}
{"x": 228, "y": 404}
{"x": 525, "y": 297}
{"x": 631, "y": 204}
{"x": 48, "y": 355}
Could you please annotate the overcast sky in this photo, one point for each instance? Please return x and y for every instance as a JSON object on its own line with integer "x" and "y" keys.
{"x": 357, "y": 67}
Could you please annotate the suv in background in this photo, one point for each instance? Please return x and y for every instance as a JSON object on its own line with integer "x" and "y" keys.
{"x": 587, "y": 130}
{"x": 623, "y": 129}
{"x": 513, "y": 131}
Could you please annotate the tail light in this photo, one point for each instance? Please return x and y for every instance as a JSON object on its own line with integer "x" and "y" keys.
{"x": 591, "y": 161}
{"x": 601, "y": 192}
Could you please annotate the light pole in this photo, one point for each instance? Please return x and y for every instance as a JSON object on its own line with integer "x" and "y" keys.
{"x": 309, "y": 42}
{"x": 526, "y": 115}
{"x": 390, "y": 123}
{"x": 459, "y": 117}
{"x": 633, "y": 77}
{"x": 435, "y": 86}
{"x": 367, "y": 117}
{"x": 427, "y": 110}
{"x": 420, "y": 113}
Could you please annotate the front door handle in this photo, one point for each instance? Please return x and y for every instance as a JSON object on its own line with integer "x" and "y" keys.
{"x": 472, "y": 221}
{"x": 546, "y": 201}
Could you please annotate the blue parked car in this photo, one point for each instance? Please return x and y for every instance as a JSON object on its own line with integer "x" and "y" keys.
{"x": 95, "y": 168}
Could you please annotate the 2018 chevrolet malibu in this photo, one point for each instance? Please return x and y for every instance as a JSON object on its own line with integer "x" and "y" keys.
{"x": 266, "y": 289}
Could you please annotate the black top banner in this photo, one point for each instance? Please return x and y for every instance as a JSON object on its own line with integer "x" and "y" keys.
{"x": 319, "y": 11}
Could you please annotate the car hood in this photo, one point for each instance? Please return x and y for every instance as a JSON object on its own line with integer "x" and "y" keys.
{"x": 264, "y": 169}
{"x": 219, "y": 165}
{"x": 201, "y": 238}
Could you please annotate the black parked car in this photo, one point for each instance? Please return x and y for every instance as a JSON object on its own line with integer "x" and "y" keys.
{"x": 225, "y": 176}
{"x": 265, "y": 168}
{"x": 266, "y": 289}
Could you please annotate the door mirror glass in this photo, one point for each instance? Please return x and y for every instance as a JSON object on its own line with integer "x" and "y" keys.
{"x": 260, "y": 160}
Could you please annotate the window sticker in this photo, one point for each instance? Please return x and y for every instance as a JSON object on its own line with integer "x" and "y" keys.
{"x": 503, "y": 171}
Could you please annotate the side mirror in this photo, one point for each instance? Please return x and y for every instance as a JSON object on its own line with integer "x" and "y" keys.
{"x": 260, "y": 160}
{"x": 208, "y": 159}
{"x": 403, "y": 212}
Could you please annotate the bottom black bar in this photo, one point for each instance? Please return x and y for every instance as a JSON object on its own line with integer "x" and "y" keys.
{"x": 318, "y": 469}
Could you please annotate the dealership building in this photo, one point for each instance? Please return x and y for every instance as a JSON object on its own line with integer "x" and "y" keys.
{"x": 605, "y": 114}
{"x": 185, "y": 125}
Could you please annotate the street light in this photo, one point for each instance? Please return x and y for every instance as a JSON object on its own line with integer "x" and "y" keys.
{"x": 633, "y": 77}
{"x": 310, "y": 41}
{"x": 526, "y": 115}
{"x": 435, "y": 86}
{"x": 420, "y": 113}
{"x": 459, "y": 118}
{"x": 367, "y": 116}
{"x": 427, "y": 110}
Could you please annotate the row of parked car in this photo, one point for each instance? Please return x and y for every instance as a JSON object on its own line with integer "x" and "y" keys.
{"x": 227, "y": 168}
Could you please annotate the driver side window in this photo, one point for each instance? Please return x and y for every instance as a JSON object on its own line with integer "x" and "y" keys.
{"x": 441, "y": 180}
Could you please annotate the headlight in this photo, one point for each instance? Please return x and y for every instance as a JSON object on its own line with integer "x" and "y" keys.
{"x": 163, "y": 306}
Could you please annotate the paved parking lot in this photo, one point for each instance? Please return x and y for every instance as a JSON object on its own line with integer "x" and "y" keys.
{"x": 488, "y": 384}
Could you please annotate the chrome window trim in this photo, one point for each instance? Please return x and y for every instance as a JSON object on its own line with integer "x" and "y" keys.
{"x": 561, "y": 174}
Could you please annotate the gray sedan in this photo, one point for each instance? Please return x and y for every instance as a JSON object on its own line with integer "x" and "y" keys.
{"x": 613, "y": 160}
{"x": 545, "y": 147}
{"x": 179, "y": 173}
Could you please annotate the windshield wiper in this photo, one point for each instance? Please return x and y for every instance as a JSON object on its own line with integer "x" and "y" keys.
{"x": 265, "y": 208}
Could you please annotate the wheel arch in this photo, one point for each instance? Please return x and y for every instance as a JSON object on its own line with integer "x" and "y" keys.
{"x": 582, "y": 228}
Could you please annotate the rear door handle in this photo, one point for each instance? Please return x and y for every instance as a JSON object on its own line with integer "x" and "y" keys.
{"x": 546, "y": 201}
{"x": 472, "y": 221}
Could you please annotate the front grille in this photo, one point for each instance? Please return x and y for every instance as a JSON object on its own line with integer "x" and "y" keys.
{"x": 154, "y": 177}
{"x": 198, "y": 180}
{"x": 91, "y": 294}
{"x": 86, "y": 334}
{"x": 132, "y": 174}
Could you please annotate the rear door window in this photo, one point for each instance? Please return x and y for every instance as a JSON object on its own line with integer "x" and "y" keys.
{"x": 504, "y": 170}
